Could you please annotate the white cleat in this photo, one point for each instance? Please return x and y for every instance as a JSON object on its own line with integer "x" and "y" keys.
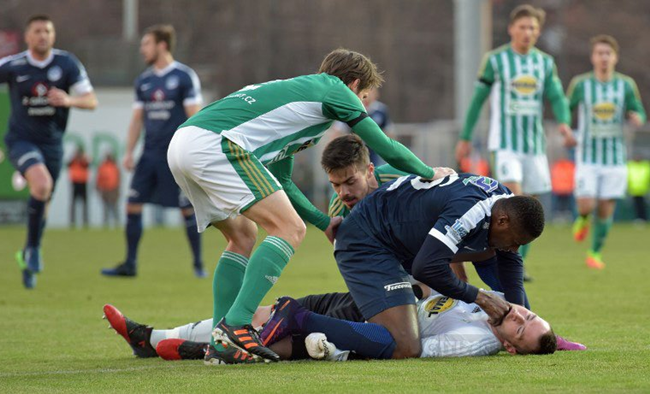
{"x": 319, "y": 348}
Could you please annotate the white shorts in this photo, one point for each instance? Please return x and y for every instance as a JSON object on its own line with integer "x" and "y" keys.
{"x": 530, "y": 171}
{"x": 219, "y": 177}
{"x": 600, "y": 182}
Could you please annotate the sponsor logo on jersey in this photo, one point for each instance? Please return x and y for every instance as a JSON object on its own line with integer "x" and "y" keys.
{"x": 39, "y": 89}
{"x": 158, "y": 95}
{"x": 439, "y": 305}
{"x": 604, "y": 111}
{"x": 22, "y": 78}
{"x": 54, "y": 73}
{"x": 398, "y": 286}
{"x": 145, "y": 86}
{"x": 525, "y": 85}
{"x": 456, "y": 231}
{"x": 171, "y": 82}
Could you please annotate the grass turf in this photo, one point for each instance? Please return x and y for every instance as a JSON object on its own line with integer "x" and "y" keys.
{"x": 53, "y": 338}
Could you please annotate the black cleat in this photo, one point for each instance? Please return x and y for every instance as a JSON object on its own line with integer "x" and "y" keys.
{"x": 230, "y": 355}
{"x": 136, "y": 335}
{"x": 123, "y": 269}
{"x": 245, "y": 338}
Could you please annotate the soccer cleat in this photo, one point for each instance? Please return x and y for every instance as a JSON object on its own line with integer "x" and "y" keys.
{"x": 181, "y": 349}
{"x": 281, "y": 323}
{"x": 230, "y": 355}
{"x": 123, "y": 269}
{"x": 581, "y": 228}
{"x": 199, "y": 272}
{"x": 29, "y": 279}
{"x": 136, "y": 335}
{"x": 32, "y": 257}
{"x": 563, "y": 344}
{"x": 245, "y": 338}
{"x": 594, "y": 260}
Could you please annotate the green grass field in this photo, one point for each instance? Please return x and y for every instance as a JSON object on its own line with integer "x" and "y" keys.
{"x": 53, "y": 338}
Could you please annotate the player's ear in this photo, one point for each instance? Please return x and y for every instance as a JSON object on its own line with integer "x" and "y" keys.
{"x": 371, "y": 170}
{"x": 509, "y": 348}
{"x": 354, "y": 85}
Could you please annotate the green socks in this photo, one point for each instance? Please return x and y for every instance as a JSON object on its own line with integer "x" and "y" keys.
{"x": 264, "y": 269}
{"x": 523, "y": 251}
{"x": 227, "y": 281}
{"x": 601, "y": 229}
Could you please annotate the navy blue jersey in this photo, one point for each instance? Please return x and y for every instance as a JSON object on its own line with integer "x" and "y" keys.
{"x": 424, "y": 224}
{"x": 163, "y": 95}
{"x": 456, "y": 210}
{"x": 32, "y": 118}
{"x": 378, "y": 111}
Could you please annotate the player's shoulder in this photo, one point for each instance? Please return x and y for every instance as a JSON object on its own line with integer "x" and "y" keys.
{"x": 184, "y": 69}
{"x": 498, "y": 50}
{"x": 544, "y": 55}
{"x": 387, "y": 173}
{"x": 64, "y": 57}
{"x": 581, "y": 78}
{"x": 17, "y": 59}
{"x": 625, "y": 78}
{"x": 147, "y": 73}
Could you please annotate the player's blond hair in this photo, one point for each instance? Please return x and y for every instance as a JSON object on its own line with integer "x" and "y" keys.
{"x": 350, "y": 66}
{"x": 528, "y": 11}
{"x": 163, "y": 33}
{"x": 604, "y": 39}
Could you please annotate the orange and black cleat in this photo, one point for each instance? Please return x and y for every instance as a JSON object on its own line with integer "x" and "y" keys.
{"x": 244, "y": 337}
{"x": 229, "y": 355}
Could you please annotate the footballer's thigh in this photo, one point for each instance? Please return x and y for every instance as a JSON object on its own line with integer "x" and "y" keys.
{"x": 402, "y": 323}
{"x": 507, "y": 168}
{"x": 536, "y": 175}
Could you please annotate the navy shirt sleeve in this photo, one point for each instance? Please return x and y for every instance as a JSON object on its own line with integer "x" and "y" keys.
{"x": 5, "y": 72}
{"x": 191, "y": 89}
{"x": 511, "y": 276}
{"x": 78, "y": 77}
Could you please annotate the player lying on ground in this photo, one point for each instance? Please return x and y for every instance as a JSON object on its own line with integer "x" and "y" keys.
{"x": 448, "y": 327}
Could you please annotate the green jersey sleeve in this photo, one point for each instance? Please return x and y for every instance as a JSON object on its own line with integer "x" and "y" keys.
{"x": 390, "y": 150}
{"x": 555, "y": 94}
{"x": 633, "y": 99}
{"x": 337, "y": 208}
{"x": 575, "y": 92}
{"x": 482, "y": 90}
{"x": 282, "y": 170}
{"x": 340, "y": 103}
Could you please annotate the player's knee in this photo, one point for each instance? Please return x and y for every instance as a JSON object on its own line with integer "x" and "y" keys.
{"x": 41, "y": 189}
{"x": 133, "y": 209}
{"x": 296, "y": 233}
{"x": 407, "y": 349}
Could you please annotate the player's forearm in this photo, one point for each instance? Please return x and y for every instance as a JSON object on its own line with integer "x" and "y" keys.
{"x": 305, "y": 208}
{"x": 481, "y": 92}
{"x": 135, "y": 128}
{"x": 395, "y": 154}
{"x": 85, "y": 101}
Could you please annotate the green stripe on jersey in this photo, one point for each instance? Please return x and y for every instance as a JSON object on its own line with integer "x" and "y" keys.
{"x": 517, "y": 99}
{"x": 276, "y": 119}
{"x": 602, "y": 108}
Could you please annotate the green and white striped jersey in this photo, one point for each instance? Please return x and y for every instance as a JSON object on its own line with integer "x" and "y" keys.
{"x": 276, "y": 119}
{"x": 602, "y": 109}
{"x": 517, "y": 84}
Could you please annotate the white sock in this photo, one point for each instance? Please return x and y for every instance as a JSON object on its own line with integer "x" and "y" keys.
{"x": 196, "y": 332}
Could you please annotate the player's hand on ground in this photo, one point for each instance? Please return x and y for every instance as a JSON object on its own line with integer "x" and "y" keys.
{"x": 567, "y": 133}
{"x": 127, "y": 162}
{"x": 330, "y": 231}
{"x": 463, "y": 149}
{"x": 635, "y": 119}
{"x": 441, "y": 172}
{"x": 496, "y": 307}
{"x": 58, "y": 98}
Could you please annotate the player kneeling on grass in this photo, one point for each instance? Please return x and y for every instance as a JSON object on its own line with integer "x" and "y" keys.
{"x": 448, "y": 327}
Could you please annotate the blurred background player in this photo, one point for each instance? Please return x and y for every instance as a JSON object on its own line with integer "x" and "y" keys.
{"x": 518, "y": 77}
{"x": 78, "y": 172}
{"x": 108, "y": 186}
{"x": 234, "y": 160}
{"x": 39, "y": 80}
{"x": 638, "y": 179}
{"x": 166, "y": 95}
{"x": 604, "y": 99}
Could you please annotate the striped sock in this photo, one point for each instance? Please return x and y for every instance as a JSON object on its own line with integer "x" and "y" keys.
{"x": 264, "y": 269}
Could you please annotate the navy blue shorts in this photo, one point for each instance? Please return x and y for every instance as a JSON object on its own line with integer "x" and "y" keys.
{"x": 373, "y": 274}
{"x": 154, "y": 183}
{"x": 24, "y": 154}
{"x": 337, "y": 305}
